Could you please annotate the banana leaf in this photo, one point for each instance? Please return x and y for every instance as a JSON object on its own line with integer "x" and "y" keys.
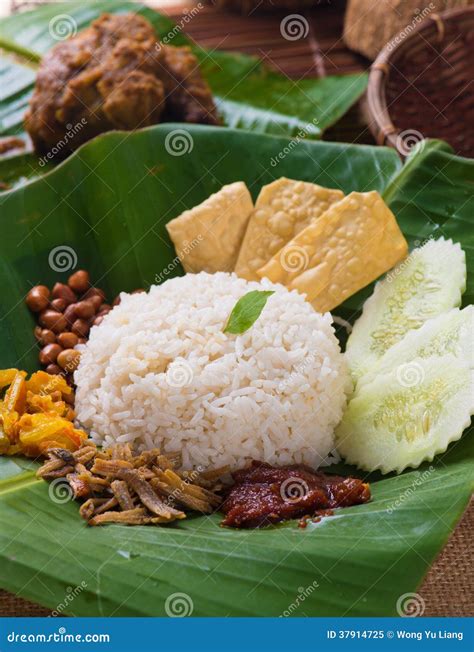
{"x": 109, "y": 203}
{"x": 247, "y": 93}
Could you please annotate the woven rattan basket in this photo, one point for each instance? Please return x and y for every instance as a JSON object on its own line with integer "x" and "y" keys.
{"x": 421, "y": 84}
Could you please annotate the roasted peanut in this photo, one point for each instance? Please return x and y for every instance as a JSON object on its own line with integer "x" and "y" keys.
{"x": 84, "y": 310}
{"x": 70, "y": 313}
{"x": 79, "y": 281}
{"x": 68, "y": 340}
{"x": 93, "y": 292}
{"x": 49, "y": 354}
{"x": 62, "y": 291}
{"x": 59, "y": 305}
{"x": 96, "y": 301}
{"x": 37, "y": 298}
{"x": 53, "y": 320}
{"x": 69, "y": 359}
{"x": 47, "y": 337}
{"x": 80, "y": 328}
{"x": 54, "y": 370}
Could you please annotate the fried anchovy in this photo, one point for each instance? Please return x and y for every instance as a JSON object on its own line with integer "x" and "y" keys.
{"x": 122, "y": 494}
{"x": 147, "y": 496}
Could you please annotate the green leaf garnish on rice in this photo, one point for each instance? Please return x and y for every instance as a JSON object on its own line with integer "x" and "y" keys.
{"x": 246, "y": 311}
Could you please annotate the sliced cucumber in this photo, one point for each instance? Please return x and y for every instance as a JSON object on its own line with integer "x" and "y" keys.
{"x": 407, "y": 416}
{"x": 449, "y": 333}
{"x": 429, "y": 282}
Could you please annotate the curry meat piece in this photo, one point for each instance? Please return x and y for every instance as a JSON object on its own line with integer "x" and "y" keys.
{"x": 113, "y": 75}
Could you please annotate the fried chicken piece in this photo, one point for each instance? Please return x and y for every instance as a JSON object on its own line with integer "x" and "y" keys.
{"x": 113, "y": 75}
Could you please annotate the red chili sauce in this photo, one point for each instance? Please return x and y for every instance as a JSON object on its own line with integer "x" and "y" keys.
{"x": 264, "y": 494}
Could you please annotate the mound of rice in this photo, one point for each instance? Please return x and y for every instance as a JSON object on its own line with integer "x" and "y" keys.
{"x": 160, "y": 372}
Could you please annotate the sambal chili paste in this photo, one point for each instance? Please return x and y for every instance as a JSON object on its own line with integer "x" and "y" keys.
{"x": 263, "y": 494}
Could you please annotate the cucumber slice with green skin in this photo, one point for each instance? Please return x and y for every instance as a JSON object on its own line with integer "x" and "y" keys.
{"x": 449, "y": 333}
{"x": 407, "y": 416}
{"x": 429, "y": 282}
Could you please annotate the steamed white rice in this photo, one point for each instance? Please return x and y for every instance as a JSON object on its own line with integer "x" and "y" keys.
{"x": 160, "y": 372}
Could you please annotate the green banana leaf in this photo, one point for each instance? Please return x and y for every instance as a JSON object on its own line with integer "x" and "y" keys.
{"x": 109, "y": 203}
{"x": 247, "y": 93}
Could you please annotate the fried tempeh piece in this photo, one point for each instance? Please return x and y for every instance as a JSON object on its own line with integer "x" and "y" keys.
{"x": 283, "y": 209}
{"x": 208, "y": 237}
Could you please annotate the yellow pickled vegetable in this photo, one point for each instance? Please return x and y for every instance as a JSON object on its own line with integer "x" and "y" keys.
{"x": 15, "y": 396}
{"x": 7, "y": 376}
{"x": 38, "y": 432}
{"x": 43, "y": 383}
{"x": 36, "y": 414}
